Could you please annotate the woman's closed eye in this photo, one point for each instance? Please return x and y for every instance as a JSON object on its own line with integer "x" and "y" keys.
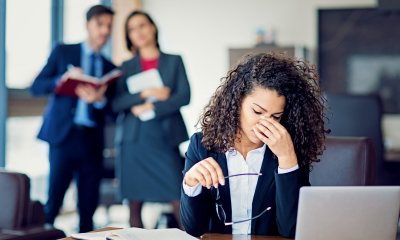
{"x": 276, "y": 117}
{"x": 256, "y": 112}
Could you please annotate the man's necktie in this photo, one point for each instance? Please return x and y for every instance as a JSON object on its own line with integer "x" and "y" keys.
{"x": 91, "y": 110}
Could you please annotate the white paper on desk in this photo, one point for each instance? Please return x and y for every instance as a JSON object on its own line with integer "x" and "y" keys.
{"x": 91, "y": 236}
{"x": 144, "y": 80}
{"x": 142, "y": 234}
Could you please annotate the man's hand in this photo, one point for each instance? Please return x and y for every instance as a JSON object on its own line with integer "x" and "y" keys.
{"x": 139, "y": 109}
{"x": 90, "y": 94}
{"x": 76, "y": 71}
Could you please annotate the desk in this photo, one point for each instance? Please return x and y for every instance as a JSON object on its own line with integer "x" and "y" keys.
{"x": 213, "y": 236}
{"x": 217, "y": 236}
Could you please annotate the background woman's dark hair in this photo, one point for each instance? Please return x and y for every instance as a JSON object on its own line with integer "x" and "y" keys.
{"x": 296, "y": 79}
{"x": 129, "y": 44}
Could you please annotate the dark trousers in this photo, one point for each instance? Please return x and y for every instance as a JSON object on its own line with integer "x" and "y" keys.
{"x": 79, "y": 157}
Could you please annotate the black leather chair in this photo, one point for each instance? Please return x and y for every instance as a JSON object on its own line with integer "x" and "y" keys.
{"x": 360, "y": 116}
{"x": 21, "y": 218}
{"x": 347, "y": 161}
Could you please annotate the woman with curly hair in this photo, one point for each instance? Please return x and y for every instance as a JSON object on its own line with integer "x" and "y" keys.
{"x": 260, "y": 132}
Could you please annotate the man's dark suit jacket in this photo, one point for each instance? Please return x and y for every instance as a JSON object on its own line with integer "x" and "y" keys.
{"x": 60, "y": 111}
{"x": 173, "y": 75}
{"x": 278, "y": 191}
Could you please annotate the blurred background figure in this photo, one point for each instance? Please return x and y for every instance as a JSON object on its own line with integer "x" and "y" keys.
{"x": 74, "y": 127}
{"x": 149, "y": 166}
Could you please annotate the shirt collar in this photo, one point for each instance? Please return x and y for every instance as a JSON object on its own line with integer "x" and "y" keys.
{"x": 87, "y": 49}
{"x": 260, "y": 150}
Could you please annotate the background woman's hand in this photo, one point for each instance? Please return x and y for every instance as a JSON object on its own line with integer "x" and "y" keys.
{"x": 278, "y": 140}
{"x": 139, "y": 109}
{"x": 161, "y": 94}
{"x": 207, "y": 172}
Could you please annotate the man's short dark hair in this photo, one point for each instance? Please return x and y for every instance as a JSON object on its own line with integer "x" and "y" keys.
{"x": 98, "y": 10}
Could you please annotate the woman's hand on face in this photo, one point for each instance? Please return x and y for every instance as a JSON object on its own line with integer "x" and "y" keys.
{"x": 207, "y": 172}
{"x": 161, "y": 94}
{"x": 278, "y": 140}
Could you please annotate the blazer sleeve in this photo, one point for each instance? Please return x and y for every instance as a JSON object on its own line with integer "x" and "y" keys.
{"x": 107, "y": 110}
{"x": 180, "y": 97}
{"x": 287, "y": 197}
{"x": 195, "y": 211}
{"x": 123, "y": 100}
{"x": 46, "y": 81}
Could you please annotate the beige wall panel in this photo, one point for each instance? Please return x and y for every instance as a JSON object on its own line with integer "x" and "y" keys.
{"x": 122, "y": 9}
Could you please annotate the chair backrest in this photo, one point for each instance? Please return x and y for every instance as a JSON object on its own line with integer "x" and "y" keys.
{"x": 359, "y": 116}
{"x": 347, "y": 161}
{"x": 14, "y": 199}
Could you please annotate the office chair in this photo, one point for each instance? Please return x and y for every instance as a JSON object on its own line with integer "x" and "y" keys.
{"x": 347, "y": 161}
{"x": 360, "y": 116}
{"x": 20, "y": 217}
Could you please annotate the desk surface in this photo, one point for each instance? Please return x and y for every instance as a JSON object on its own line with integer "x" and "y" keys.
{"x": 214, "y": 236}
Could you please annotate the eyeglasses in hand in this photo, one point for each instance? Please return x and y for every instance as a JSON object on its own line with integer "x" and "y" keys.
{"x": 220, "y": 210}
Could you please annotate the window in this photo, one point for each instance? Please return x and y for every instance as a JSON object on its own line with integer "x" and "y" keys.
{"x": 75, "y": 19}
{"x": 28, "y": 44}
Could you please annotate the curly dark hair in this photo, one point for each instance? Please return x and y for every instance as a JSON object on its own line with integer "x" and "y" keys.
{"x": 295, "y": 79}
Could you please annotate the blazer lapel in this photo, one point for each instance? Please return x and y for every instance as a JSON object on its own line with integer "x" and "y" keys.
{"x": 136, "y": 66}
{"x": 161, "y": 67}
{"x": 264, "y": 182}
{"x": 76, "y": 56}
{"x": 224, "y": 191}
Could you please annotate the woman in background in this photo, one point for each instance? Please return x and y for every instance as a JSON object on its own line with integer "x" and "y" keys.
{"x": 149, "y": 164}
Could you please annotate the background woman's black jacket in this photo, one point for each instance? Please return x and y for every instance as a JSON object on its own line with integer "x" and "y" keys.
{"x": 173, "y": 75}
{"x": 278, "y": 191}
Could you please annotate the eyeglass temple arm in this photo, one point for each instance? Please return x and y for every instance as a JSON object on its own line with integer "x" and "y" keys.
{"x": 230, "y": 223}
{"x": 258, "y": 174}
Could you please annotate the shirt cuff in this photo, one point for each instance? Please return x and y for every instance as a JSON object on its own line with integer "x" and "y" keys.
{"x": 192, "y": 191}
{"x": 101, "y": 104}
{"x": 283, "y": 171}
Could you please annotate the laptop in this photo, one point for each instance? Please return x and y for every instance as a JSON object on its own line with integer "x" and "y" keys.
{"x": 367, "y": 213}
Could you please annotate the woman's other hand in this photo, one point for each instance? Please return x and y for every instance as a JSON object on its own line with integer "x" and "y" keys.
{"x": 207, "y": 172}
{"x": 278, "y": 140}
{"x": 161, "y": 94}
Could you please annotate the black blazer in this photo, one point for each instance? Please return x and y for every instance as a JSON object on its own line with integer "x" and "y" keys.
{"x": 278, "y": 191}
{"x": 60, "y": 111}
{"x": 173, "y": 75}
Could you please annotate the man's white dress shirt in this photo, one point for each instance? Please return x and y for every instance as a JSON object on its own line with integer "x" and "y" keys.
{"x": 242, "y": 188}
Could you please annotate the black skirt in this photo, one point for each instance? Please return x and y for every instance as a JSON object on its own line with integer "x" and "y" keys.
{"x": 149, "y": 169}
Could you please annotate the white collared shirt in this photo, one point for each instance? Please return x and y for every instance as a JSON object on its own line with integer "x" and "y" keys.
{"x": 242, "y": 188}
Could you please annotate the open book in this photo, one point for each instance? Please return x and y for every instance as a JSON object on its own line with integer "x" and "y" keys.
{"x": 66, "y": 86}
{"x": 136, "y": 234}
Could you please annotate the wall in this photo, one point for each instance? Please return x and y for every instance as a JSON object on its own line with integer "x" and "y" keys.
{"x": 203, "y": 31}
{"x": 122, "y": 8}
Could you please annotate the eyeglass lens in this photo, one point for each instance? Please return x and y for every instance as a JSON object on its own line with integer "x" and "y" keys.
{"x": 220, "y": 212}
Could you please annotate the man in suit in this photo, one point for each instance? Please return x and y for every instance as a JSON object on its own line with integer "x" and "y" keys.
{"x": 74, "y": 127}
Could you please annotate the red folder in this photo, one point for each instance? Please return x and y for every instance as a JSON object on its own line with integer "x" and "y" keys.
{"x": 66, "y": 86}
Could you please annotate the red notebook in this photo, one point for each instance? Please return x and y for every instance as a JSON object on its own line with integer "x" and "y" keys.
{"x": 68, "y": 83}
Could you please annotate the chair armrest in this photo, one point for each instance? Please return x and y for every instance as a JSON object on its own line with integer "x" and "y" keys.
{"x": 36, "y": 213}
{"x": 33, "y": 232}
